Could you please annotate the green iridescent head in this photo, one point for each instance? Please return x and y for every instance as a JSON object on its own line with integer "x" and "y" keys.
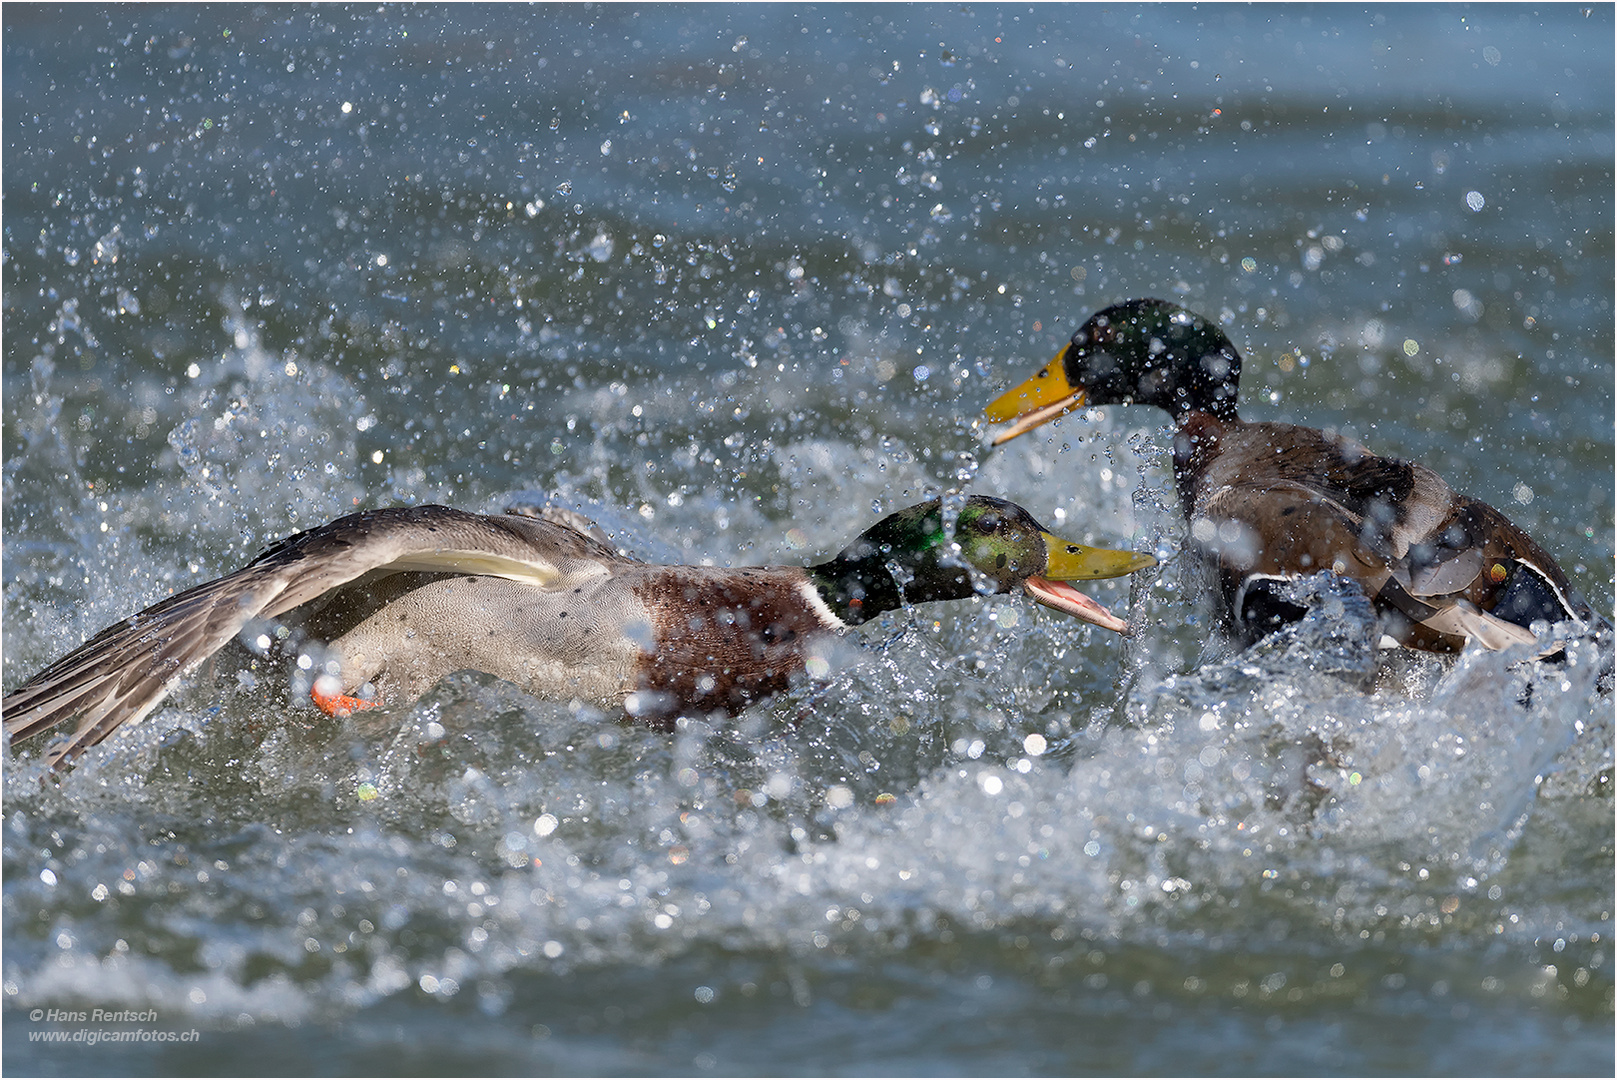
{"x": 995, "y": 546}
{"x": 1147, "y": 352}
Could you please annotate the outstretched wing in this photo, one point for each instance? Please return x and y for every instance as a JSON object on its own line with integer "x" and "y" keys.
{"x": 123, "y": 672}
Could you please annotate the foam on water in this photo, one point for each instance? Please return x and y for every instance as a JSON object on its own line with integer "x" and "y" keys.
{"x": 983, "y": 767}
{"x": 736, "y": 306}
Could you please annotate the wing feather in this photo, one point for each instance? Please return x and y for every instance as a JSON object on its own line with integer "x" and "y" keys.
{"x": 124, "y": 672}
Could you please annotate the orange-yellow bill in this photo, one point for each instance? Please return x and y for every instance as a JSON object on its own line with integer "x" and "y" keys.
{"x": 1042, "y": 398}
{"x": 1063, "y": 597}
{"x": 1066, "y": 561}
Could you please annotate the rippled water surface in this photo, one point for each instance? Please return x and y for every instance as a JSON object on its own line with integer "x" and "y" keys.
{"x": 735, "y": 281}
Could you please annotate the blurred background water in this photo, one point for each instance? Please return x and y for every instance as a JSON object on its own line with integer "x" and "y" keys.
{"x": 735, "y": 281}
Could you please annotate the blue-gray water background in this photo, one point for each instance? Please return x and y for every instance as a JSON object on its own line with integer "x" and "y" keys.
{"x": 736, "y": 280}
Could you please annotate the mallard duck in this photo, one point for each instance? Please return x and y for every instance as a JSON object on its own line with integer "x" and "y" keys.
{"x": 405, "y": 596}
{"x": 1270, "y": 502}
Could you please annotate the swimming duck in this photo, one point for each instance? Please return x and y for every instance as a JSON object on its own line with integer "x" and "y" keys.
{"x": 405, "y": 596}
{"x": 1270, "y": 502}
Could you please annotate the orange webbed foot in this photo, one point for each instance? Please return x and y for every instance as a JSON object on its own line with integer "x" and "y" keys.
{"x": 329, "y": 699}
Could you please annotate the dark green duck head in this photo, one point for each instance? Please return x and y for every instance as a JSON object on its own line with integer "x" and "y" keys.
{"x": 995, "y": 547}
{"x": 1146, "y": 352}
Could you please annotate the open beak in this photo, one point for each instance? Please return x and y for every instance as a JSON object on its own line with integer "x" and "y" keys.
{"x": 1066, "y": 561}
{"x": 1042, "y": 398}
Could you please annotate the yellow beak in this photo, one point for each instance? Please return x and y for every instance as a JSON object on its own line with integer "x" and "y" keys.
{"x": 1068, "y": 561}
{"x": 1042, "y": 398}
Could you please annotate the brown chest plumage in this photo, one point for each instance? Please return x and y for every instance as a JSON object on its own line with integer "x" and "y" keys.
{"x": 722, "y": 638}
{"x": 1274, "y": 500}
